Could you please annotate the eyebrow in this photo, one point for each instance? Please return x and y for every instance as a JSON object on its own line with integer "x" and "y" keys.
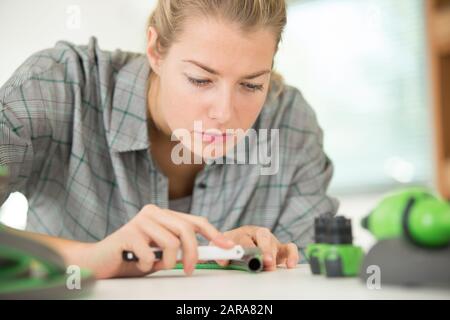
{"x": 212, "y": 71}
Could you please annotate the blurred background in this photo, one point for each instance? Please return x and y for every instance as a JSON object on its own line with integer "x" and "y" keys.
{"x": 362, "y": 64}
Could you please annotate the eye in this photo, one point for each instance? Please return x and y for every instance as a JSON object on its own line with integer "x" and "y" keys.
{"x": 252, "y": 87}
{"x": 199, "y": 82}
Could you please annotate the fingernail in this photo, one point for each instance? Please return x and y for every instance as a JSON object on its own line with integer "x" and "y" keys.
{"x": 223, "y": 263}
{"x": 291, "y": 263}
{"x": 230, "y": 242}
{"x": 188, "y": 270}
{"x": 227, "y": 241}
{"x": 268, "y": 258}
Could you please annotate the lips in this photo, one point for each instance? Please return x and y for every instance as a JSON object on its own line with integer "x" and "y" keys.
{"x": 214, "y": 136}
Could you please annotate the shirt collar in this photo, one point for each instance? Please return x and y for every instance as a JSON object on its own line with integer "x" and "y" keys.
{"x": 127, "y": 122}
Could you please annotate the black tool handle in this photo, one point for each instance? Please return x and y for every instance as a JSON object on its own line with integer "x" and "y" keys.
{"x": 129, "y": 256}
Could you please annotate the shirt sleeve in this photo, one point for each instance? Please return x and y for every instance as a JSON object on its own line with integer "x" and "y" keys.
{"x": 24, "y": 128}
{"x": 307, "y": 196}
{"x": 16, "y": 149}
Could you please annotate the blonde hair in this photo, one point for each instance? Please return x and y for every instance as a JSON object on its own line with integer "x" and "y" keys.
{"x": 169, "y": 16}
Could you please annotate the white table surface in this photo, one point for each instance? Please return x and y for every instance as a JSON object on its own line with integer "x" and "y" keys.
{"x": 283, "y": 284}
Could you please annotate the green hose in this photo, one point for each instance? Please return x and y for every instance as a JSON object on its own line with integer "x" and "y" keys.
{"x": 215, "y": 266}
{"x": 251, "y": 262}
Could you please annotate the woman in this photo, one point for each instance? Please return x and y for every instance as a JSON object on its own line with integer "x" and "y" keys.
{"x": 92, "y": 138}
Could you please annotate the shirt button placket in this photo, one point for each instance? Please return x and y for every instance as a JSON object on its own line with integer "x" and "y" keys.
{"x": 162, "y": 189}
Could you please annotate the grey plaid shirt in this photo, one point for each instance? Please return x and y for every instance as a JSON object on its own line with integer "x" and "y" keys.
{"x": 73, "y": 133}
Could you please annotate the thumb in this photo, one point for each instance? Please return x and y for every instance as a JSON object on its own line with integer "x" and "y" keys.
{"x": 222, "y": 263}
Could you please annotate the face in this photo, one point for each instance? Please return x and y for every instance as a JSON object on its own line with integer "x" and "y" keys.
{"x": 211, "y": 82}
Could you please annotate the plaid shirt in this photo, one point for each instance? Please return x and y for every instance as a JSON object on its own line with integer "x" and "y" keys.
{"x": 73, "y": 133}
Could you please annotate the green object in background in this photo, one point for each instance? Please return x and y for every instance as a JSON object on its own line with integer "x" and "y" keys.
{"x": 412, "y": 213}
{"x": 333, "y": 254}
{"x": 315, "y": 251}
{"x": 342, "y": 260}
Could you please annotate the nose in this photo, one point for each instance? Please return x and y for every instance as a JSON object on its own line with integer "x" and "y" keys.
{"x": 222, "y": 108}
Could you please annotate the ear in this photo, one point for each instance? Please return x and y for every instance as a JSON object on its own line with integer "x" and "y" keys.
{"x": 153, "y": 56}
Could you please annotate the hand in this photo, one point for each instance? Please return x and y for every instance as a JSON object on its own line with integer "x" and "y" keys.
{"x": 274, "y": 252}
{"x": 156, "y": 227}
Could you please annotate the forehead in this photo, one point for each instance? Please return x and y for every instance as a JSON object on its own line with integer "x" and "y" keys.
{"x": 224, "y": 46}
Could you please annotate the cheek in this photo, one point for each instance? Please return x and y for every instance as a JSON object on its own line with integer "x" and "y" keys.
{"x": 247, "y": 111}
{"x": 181, "y": 106}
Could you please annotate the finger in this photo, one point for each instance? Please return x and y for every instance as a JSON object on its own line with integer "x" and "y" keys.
{"x": 263, "y": 239}
{"x": 158, "y": 266}
{"x": 275, "y": 245}
{"x": 293, "y": 256}
{"x": 281, "y": 261}
{"x": 245, "y": 241}
{"x": 144, "y": 253}
{"x": 166, "y": 240}
{"x": 281, "y": 255}
{"x": 185, "y": 232}
{"x": 289, "y": 254}
{"x": 222, "y": 263}
{"x": 206, "y": 229}
{"x": 137, "y": 244}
